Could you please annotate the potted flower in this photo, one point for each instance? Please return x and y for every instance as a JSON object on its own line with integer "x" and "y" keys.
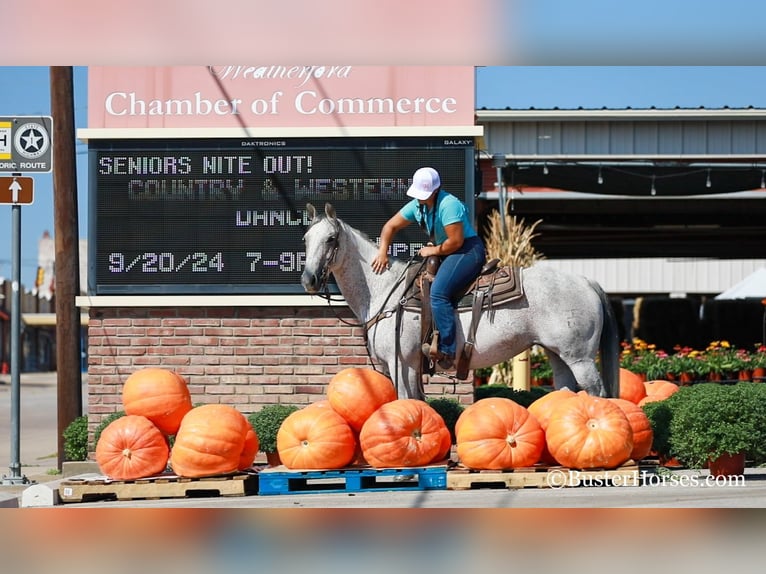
{"x": 758, "y": 363}
{"x": 266, "y": 423}
{"x": 540, "y": 370}
{"x": 713, "y": 423}
{"x": 687, "y": 365}
{"x": 724, "y": 361}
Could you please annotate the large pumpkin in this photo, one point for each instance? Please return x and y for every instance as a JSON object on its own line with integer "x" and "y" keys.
{"x": 158, "y": 394}
{"x": 210, "y": 441}
{"x": 631, "y": 386}
{"x": 542, "y": 408}
{"x": 402, "y": 433}
{"x": 589, "y": 432}
{"x": 496, "y": 433}
{"x": 316, "y": 437}
{"x": 657, "y": 390}
{"x": 355, "y": 393}
{"x": 131, "y": 447}
{"x": 249, "y": 449}
{"x": 643, "y": 435}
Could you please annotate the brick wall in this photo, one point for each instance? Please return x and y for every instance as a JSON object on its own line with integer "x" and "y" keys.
{"x": 243, "y": 356}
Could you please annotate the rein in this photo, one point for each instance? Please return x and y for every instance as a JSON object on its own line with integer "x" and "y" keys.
{"x": 377, "y": 317}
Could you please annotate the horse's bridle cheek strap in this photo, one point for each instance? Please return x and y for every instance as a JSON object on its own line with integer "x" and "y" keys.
{"x": 330, "y": 259}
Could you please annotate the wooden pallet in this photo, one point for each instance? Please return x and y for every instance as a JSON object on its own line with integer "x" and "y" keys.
{"x": 162, "y": 486}
{"x": 281, "y": 480}
{"x": 542, "y": 476}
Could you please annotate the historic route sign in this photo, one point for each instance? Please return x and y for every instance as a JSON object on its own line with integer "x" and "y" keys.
{"x": 26, "y": 144}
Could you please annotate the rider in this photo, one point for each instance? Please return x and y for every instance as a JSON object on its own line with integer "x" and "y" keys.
{"x": 452, "y": 238}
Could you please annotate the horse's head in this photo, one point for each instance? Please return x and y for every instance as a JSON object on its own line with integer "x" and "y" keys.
{"x": 321, "y": 240}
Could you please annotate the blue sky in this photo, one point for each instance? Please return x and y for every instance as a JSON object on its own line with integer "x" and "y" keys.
{"x": 26, "y": 91}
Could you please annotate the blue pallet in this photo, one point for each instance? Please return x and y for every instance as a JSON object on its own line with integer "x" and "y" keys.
{"x": 351, "y": 480}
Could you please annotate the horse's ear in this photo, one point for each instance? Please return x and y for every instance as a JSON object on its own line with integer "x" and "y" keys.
{"x": 329, "y": 211}
{"x": 311, "y": 211}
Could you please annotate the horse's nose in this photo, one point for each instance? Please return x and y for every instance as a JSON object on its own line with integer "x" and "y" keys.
{"x": 310, "y": 281}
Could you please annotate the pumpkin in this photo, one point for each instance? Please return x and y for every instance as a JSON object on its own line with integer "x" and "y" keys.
{"x": 132, "y": 447}
{"x": 249, "y": 449}
{"x": 210, "y": 441}
{"x": 589, "y": 432}
{"x": 631, "y": 386}
{"x": 446, "y": 445}
{"x": 657, "y": 390}
{"x": 315, "y": 437}
{"x": 542, "y": 408}
{"x": 496, "y": 433}
{"x": 643, "y": 435}
{"x": 355, "y": 393}
{"x": 158, "y": 394}
{"x": 402, "y": 433}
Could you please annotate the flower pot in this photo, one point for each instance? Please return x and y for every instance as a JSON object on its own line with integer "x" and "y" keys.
{"x": 745, "y": 375}
{"x": 669, "y": 462}
{"x": 685, "y": 379}
{"x": 727, "y": 465}
{"x": 273, "y": 459}
{"x": 759, "y": 374}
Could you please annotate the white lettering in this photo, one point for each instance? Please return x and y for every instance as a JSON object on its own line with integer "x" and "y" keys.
{"x": 306, "y": 103}
{"x": 127, "y": 104}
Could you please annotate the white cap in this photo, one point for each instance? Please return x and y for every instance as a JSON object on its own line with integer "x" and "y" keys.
{"x": 424, "y": 183}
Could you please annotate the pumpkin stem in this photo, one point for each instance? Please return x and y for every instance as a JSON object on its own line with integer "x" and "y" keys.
{"x": 511, "y": 440}
{"x": 127, "y": 453}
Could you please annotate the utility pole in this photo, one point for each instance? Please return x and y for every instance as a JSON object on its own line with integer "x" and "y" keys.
{"x": 67, "y": 252}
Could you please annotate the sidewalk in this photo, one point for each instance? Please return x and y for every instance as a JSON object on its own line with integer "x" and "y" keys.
{"x": 38, "y": 430}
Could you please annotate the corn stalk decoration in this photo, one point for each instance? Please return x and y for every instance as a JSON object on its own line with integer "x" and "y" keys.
{"x": 511, "y": 242}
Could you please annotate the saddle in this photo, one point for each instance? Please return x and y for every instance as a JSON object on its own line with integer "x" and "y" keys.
{"x": 493, "y": 286}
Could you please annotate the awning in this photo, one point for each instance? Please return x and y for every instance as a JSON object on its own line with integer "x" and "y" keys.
{"x": 47, "y": 319}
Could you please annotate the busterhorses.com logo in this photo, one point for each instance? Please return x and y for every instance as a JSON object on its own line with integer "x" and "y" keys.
{"x": 31, "y": 140}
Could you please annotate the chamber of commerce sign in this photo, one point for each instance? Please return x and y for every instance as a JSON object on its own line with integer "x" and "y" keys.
{"x": 269, "y": 96}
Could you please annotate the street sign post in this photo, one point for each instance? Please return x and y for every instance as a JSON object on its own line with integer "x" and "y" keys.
{"x": 16, "y": 190}
{"x": 26, "y": 143}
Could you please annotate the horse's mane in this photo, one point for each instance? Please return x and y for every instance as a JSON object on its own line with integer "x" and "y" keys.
{"x": 358, "y": 233}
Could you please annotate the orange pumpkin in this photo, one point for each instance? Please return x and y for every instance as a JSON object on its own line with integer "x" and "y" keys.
{"x": 158, "y": 394}
{"x": 446, "y": 445}
{"x": 210, "y": 441}
{"x": 643, "y": 435}
{"x": 132, "y": 447}
{"x": 315, "y": 438}
{"x": 657, "y": 390}
{"x": 249, "y": 450}
{"x": 402, "y": 433}
{"x": 542, "y": 408}
{"x": 355, "y": 393}
{"x": 589, "y": 432}
{"x": 496, "y": 433}
{"x": 631, "y": 386}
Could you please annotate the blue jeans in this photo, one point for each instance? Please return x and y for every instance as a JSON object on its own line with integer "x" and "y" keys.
{"x": 456, "y": 272}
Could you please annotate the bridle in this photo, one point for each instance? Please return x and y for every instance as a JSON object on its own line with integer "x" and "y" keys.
{"x": 382, "y": 313}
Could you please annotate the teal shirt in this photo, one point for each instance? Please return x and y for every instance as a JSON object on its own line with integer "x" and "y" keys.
{"x": 449, "y": 209}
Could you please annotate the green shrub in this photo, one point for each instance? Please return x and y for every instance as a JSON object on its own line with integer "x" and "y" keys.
{"x": 524, "y": 398}
{"x": 266, "y": 423}
{"x": 660, "y": 413}
{"x": 450, "y": 411}
{"x": 76, "y": 439}
{"x": 711, "y": 419}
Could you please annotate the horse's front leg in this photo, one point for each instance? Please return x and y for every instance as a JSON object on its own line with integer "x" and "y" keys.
{"x": 407, "y": 380}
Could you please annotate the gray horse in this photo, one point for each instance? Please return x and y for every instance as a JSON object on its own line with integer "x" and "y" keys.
{"x": 569, "y": 316}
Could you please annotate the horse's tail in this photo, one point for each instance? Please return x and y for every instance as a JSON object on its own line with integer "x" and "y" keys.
{"x": 609, "y": 346}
